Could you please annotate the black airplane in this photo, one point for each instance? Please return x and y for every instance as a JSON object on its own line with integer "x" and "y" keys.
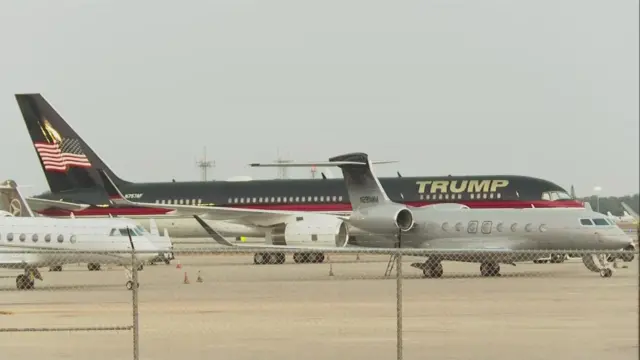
{"x": 70, "y": 167}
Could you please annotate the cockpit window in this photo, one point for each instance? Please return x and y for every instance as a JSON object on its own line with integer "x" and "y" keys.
{"x": 600, "y": 222}
{"x": 586, "y": 222}
{"x": 555, "y": 195}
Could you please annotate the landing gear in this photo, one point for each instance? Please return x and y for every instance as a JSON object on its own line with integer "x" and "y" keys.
{"x": 93, "y": 267}
{"x": 26, "y": 281}
{"x": 431, "y": 268}
{"x": 490, "y": 269}
{"x": 56, "y": 268}
{"x": 269, "y": 258}
{"x": 314, "y": 258}
{"x": 605, "y": 273}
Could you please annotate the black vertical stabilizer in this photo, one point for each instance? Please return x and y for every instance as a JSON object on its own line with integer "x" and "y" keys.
{"x": 67, "y": 161}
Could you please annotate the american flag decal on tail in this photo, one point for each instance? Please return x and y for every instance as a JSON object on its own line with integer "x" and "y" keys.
{"x": 63, "y": 155}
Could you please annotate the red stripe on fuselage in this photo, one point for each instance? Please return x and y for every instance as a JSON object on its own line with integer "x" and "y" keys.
{"x": 139, "y": 211}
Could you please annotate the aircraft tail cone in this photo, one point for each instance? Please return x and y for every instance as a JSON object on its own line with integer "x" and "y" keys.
{"x": 199, "y": 279}
{"x": 186, "y": 278}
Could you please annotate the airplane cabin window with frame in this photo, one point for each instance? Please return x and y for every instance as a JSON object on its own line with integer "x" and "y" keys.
{"x": 34, "y": 237}
{"x": 528, "y": 227}
{"x": 600, "y": 222}
{"x": 10, "y": 237}
{"x": 486, "y": 227}
{"x": 73, "y": 239}
{"x": 473, "y": 227}
{"x": 47, "y": 238}
{"x": 23, "y": 237}
{"x": 500, "y": 227}
{"x": 60, "y": 238}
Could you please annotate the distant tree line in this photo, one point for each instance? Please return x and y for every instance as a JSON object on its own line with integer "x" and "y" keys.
{"x": 613, "y": 203}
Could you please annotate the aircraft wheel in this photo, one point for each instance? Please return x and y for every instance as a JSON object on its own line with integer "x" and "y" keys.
{"x": 166, "y": 261}
{"x": 259, "y": 258}
{"x": 557, "y": 258}
{"x": 606, "y": 273}
{"x": 490, "y": 269}
{"x": 433, "y": 270}
{"x": 23, "y": 282}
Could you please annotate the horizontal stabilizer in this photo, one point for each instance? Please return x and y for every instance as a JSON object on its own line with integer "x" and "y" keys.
{"x": 38, "y": 204}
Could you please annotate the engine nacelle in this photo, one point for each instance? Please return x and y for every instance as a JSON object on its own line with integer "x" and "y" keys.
{"x": 327, "y": 231}
{"x": 383, "y": 220}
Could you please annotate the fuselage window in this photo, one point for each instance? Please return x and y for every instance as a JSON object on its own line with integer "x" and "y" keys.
{"x": 9, "y": 237}
{"x": 60, "y": 238}
{"x": 486, "y": 227}
{"x": 34, "y": 237}
{"x": 23, "y": 237}
{"x": 473, "y": 227}
{"x": 472, "y": 196}
{"x": 600, "y": 222}
{"x": 586, "y": 222}
{"x": 339, "y": 198}
{"x": 514, "y": 227}
{"x": 459, "y": 226}
{"x": 242, "y": 200}
{"x": 542, "y": 228}
{"x": 254, "y": 200}
{"x": 199, "y": 201}
{"x": 528, "y": 227}
{"x": 291, "y": 199}
{"x": 500, "y": 227}
{"x": 72, "y": 239}
{"x": 230, "y": 200}
{"x": 445, "y": 226}
{"x": 297, "y": 198}
{"x": 273, "y": 199}
{"x": 315, "y": 198}
{"x": 335, "y": 198}
{"x": 47, "y": 238}
{"x": 446, "y": 196}
{"x": 491, "y": 196}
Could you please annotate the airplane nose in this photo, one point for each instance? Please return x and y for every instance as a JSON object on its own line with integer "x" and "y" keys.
{"x": 614, "y": 241}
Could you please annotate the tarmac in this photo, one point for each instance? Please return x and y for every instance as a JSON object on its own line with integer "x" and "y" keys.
{"x": 299, "y": 311}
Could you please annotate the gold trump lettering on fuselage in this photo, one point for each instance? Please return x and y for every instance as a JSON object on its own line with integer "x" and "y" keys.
{"x": 460, "y": 186}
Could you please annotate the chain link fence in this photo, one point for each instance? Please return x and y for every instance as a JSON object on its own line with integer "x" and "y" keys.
{"x": 247, "y": 303}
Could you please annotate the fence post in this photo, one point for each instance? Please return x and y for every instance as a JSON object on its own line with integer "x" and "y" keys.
{"x": 134, "y": 302}
{"x": 399, "y": 303}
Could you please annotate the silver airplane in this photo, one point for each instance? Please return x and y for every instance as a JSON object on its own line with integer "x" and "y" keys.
{"x": 497, "y": 233}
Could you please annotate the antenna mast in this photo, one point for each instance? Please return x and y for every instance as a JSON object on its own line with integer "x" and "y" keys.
{"x": 205, "y": 164}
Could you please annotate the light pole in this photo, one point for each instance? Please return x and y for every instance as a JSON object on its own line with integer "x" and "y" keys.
{"x": 597, "y": 189}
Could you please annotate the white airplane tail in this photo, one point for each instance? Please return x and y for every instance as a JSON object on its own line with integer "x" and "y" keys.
{"x": 12, "y": 203}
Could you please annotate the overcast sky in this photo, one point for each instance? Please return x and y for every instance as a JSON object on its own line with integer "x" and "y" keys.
{"x": 541, "y": 88}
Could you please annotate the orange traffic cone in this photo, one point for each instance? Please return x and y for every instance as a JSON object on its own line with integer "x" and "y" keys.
{"x": 179, "y": 266}
{"x": 186, "y": 278}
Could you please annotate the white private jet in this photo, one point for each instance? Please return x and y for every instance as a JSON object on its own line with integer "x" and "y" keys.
{"x": 24, "y": 232}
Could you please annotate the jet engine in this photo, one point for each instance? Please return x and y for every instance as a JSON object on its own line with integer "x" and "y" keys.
{"x": 383, "y": 220}
{"x": 318, "y": 231}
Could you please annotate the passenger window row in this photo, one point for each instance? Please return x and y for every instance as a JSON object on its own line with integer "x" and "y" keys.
{"x": 459, "y": 196}
{"x": 487, "y": 227}
{"x": 180, "y": 201}
{"x": 284, "y": 199}
{"x": 9, "y": 237}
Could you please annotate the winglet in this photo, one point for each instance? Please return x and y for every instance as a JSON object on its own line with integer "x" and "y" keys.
{"x": 215, "y": 235}
{"x": 629, "y": 210}
{"x": 12, "y": 200}
{"x": 115, "y": 196}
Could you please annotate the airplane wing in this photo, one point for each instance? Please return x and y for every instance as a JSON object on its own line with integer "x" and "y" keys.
{"x": 42, "y": 204}
{"x": 249, "y": 216}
